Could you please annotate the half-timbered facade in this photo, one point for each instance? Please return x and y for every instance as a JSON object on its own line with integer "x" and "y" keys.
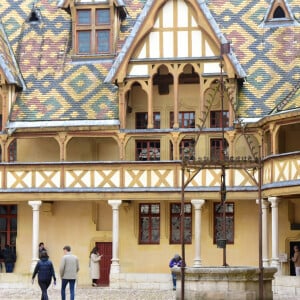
{"x": 115, "y": 111}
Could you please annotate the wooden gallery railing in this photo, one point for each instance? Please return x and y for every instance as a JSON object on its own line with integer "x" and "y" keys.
{"x": 140, "y": 176}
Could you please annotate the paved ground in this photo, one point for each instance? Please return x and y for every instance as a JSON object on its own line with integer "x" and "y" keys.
{"x": 86, "y": 293}
{"x": 97, "y": 293}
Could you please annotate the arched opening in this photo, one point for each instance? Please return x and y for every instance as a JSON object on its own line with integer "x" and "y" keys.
{"x": 163, "y": 79}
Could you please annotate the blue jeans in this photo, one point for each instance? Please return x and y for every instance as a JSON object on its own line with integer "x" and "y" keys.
{"x": 63, "y": 288}
{"x": 174, "y": 279}
{"x": 9, "y": 267}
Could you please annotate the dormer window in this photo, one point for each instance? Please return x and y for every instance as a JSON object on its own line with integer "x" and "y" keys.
{"x": 34, "y": 16}
{"x": 95, "y": 27}
{"x": 279, "y": 13}
{"x": 93, "y": 34}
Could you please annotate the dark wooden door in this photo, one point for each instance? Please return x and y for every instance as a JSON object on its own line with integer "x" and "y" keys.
{"x": 104, "y": 249}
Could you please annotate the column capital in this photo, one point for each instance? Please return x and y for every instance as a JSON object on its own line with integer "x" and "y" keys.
{"x": 115, "y": 203}
{"x": 198, "y": 203}
{"x": 35, "y": 204}
{"x": 274, "y": 201}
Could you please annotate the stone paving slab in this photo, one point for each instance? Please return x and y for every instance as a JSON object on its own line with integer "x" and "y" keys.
{"x": 84, "y": 293}
{"x": 97, "y": 293}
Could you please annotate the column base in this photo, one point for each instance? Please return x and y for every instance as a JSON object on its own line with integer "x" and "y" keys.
{"x": 197, "y": 263}
{"x": 266, "y": 262}
{"x": 115, "y": 266}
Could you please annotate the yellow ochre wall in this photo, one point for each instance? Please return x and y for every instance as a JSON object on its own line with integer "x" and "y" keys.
{"x": 68, "y": 223}
{"x": 72, "y": 223}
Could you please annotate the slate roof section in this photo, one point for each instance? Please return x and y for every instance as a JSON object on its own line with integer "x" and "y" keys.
{"x": 57, "y": 88}
{"x": 61, "y": 90}
{"x": 8, "y": 63}
{"x": 270, "y": 56}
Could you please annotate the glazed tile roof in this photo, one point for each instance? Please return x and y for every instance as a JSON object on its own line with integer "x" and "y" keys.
{"x": 8, "y": 63}
{"x": 59, "y": 89}
{"x": 270, "y": 56}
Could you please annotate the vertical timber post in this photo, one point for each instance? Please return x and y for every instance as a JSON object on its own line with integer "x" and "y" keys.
{"x": 182, "y": 233}
{"x": 261, "y": 268}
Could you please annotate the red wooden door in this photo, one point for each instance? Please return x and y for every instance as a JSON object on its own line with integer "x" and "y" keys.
{"x": 104, "y": 249}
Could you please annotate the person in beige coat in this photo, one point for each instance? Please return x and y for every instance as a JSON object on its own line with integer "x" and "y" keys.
{"x": 95, "y": 258}
{"x": 68, "y": 270}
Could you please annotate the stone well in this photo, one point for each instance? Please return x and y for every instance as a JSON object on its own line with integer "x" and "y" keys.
{"x": 230, "y": 283}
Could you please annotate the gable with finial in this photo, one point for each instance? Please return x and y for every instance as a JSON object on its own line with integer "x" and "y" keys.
{"x": 169, "y": 31}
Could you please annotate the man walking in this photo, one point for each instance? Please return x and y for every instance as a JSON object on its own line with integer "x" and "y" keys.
{"x": 68, "y": 269}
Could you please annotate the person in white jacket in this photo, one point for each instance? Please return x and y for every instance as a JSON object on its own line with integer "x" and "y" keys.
{"x": 95, "y": 258}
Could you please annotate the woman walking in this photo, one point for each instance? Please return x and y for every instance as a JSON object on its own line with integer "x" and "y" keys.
{"x": 95, "y": 258}
{"x": 45, "y": 270}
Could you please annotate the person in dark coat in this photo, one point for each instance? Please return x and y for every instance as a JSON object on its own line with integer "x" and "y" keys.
{"x": 41, "y": 248}
{"x": 9, "y": 256}
{"x": 45, "y": 270}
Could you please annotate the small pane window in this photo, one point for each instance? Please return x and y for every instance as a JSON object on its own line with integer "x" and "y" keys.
{"x": 103, "y": 16}
{"x": 218, "y": 151}
{"x": 84, "y": 41}
{"x": 186, "y": 119}
{"x": 216, "y": 119}
{"x": 8, "y": 225}
{"x": 84, "y": 17}
{"x": 141, "y": 120}
{"x": 147, "y": 150}
{"x": 219, "y": 222}
{"x": 186, "y": 149}
{"x": 93, "y": 29}
{"x": 175, "y": 219}
{"x": 149, "y": 216}
{"x": 156, "y": 120}
{"x": 103, "y": 41}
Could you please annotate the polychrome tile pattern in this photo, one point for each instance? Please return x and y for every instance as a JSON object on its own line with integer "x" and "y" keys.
{"x": 59, "y": 89}
{"x": 270, "y": 56}
{"x": 7, "y": 62}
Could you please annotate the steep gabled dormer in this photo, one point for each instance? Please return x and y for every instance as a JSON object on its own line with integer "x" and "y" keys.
{"x": 95, "y": 26}
{"x": 173, "y": 44}
{"x": 279, "y": 14}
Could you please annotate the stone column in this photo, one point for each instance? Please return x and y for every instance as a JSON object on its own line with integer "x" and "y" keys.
{"x": 197, "y": 203}
{"x": 275, "y": 251}
{"x": 115, "y": 266}
{"x": 265, "y": 241}
{"x": 35, "y": 231}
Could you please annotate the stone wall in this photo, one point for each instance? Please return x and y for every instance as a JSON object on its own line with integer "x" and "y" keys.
{"x": 226, "y": 283}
